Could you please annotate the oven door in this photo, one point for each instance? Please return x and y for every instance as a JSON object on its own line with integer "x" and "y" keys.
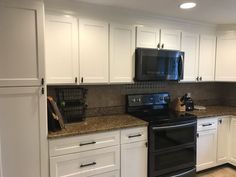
{"x": 172, "y": 148}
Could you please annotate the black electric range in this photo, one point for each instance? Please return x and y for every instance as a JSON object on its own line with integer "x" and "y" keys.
{"x": 171, "y": 135}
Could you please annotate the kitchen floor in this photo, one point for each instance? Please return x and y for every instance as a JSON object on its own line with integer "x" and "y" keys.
{"x": 219, "y": 172}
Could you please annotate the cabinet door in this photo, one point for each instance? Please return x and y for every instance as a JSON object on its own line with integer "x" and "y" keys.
{"x": 226, "y": 57}
{"x": 61, "y": 50}
{"x": 206, "y": 149}
{"x": 170, "y": 39}
{"x": 147, "y": 37}
{"x": 22, "y": 123}
{"x": 122, "y": 41}
{"x": 22, "y": 44}
{"x": 190, "y": 47}
{"x": 134, "y": 159}
{"x": 207, "y": 58}
{"x": 93, "y": 51}
{"x": 223, "y": 140}
{"x": 233, "y": 141}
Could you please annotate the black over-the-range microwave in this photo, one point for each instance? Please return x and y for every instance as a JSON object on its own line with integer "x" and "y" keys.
{"x": 158, "y": 65}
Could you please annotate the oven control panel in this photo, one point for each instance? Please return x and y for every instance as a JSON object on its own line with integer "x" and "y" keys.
{"x": 148, "y": 99}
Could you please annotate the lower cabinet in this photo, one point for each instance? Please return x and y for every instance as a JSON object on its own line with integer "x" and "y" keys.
{"x": 216, "y": 142}
{"x": 107, "y": 154}
{"x": 233, "y": 141}
{"x": 86, "y": 163}
{"x": 134, "y": 159}
{"x": 223, "y": 140}
{"x": 206, "y": 143}
{"x": 206, "y": 149}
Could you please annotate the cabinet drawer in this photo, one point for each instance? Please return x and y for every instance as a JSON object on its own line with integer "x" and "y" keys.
{"x": 133, "y": 135}
{"x": 83, "y": 143}
{"x": 86, "y": 163}
{"x": 207, "y": 124}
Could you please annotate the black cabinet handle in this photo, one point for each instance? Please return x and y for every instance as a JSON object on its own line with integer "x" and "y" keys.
{"x": 82, "y": 79}
{"x": 206, "y": 125}
{"x": 197, "y": 135}
{"x": 201, "y": 78}
{"x": 197, "y": 78}
{"x": 85, "y": 144}
{"x": 158, "y": 45}
{"x": 220, "y": 121}
{"x": 162, "y": 46}
{"x": 76, "y": 79}
{"x": 134, "y": 136}
{"x": 86, "y": 165}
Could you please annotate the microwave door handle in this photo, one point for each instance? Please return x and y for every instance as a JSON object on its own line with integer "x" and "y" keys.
{"x": 180, "y": 67}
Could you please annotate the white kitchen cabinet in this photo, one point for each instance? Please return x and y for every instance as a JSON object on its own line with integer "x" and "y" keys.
{"x": 233, "y": 141}
{"x": 207, "y": 53}
{"x": 223, "y": 140}
{"x": 170, "y": 39}
{"x": 122, "y": 47}
{"x": 206, "y": 149}
{"x": 190, "y": 46}
{"x": 23, "y": 134}
{"x": 134, "y": 152}
{"x": 93, "y": 51}
{"x": 61, "y": 50}
{"x": 134, "y": 159}
{"x": 22, "y": 43}
{"x": 226, "y": 57}
{"x": 147, "y": 37}
{"x": 87, "y": 163}
{"x": 206, "y": 143}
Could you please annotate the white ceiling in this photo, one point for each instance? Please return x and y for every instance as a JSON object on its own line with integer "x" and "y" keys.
{"x": 211, "y": 11}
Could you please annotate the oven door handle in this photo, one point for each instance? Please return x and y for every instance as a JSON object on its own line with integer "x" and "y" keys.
{"x": 173, "y": 126}
{"x": 184, "y": 173}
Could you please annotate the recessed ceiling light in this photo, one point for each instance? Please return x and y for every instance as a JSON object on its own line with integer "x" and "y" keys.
{"x": 188, "y": 5}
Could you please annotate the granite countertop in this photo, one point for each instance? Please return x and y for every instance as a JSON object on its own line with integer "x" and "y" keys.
{"x": 115, "y": 122}
{"x": 98, "y": 124}
{"x": 212, "y": 111}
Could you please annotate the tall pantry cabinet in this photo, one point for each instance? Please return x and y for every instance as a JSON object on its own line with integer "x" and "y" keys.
{"x": 23, "y": 125}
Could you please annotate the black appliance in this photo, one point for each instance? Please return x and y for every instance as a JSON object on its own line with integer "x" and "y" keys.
{"x": 188, "y": 102}
{"x": 158, "y": 65}
{"x": 171, "y": 135}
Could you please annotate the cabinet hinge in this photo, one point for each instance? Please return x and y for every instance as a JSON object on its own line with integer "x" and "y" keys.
{"x": 42, "y": 91}
{"x": 42, "y": 81}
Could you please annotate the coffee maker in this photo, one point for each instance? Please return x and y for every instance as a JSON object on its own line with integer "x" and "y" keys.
{"x": 188, "y": 102}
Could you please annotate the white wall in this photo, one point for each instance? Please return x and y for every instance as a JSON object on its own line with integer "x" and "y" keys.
{"x": 121, "y": 15}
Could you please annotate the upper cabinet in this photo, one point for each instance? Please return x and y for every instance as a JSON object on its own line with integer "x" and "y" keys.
{"x": 170, "y": 39}
{"x": 61, "y": 50}
{"x": 226, "y": 57}
{"x": 22, "y": 44}
{"x": 207, "y": 56}
{"x": 93, "y": 51}
{"x": 190, "y": 46}
{"x": 122, "y": 47}
{"x": 147, "y": 37}
{"x": 155, "y": 38}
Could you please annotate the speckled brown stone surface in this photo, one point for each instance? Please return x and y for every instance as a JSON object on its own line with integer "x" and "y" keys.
{"x": 98, "y": 124}
{"x": 212, "y": 111}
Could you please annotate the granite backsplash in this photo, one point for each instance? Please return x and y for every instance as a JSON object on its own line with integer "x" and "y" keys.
{"x": 110, "y": 99}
